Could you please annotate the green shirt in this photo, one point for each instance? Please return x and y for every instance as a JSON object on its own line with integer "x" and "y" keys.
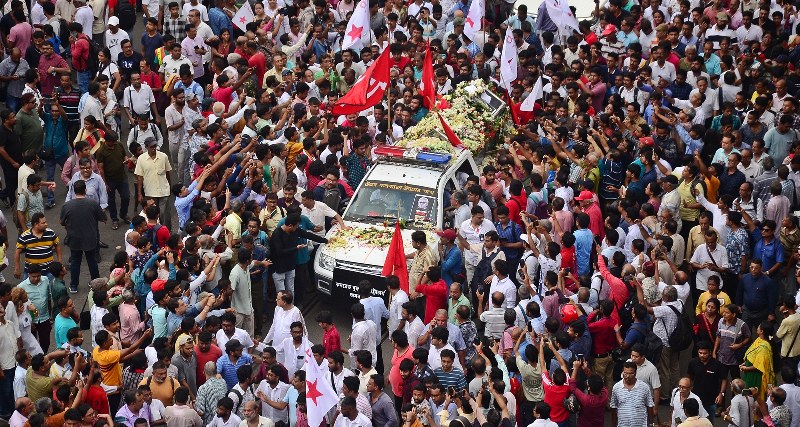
{"x": 112, "y": 159}
{"x": 29, "y": 129}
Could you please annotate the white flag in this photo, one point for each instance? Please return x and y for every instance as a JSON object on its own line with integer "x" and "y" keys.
{"x": 474, "y": 18}
{"x": 535, "y": 95}
{"x": 357, "y": 27}
{"x": 562, "y": 16}
{"x": 244, "y": 16}
{"x": 508, "y": 61}
{"x": 320, "y": 395}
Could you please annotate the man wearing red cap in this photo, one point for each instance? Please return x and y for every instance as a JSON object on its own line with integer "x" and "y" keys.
{"x": 591, "y": 208}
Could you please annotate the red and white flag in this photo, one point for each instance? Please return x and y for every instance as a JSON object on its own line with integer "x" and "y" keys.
{"x": 472, "y": 24}
{"x": 368, "y": 89}
{"x": 320, "y": 395}
{"x": 562, "y": 16}
{"x": 358, "y": 27}
{"x": 535, "y": 95}
{"x": 508, "y": 61}
{"x": 244, "y": 16}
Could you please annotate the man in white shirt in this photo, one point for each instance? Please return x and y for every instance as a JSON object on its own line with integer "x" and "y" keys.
{"x": 271, "y": 389}
{"x": 709, "y": 259}
{"x": 317, "y": 212}
{"x": 114, "y": 37}
{"x": 501, "y": 282}
{"x": 364, "y": 334}
{"x": 138, "y": 98}
{"x": 397, "y": 297}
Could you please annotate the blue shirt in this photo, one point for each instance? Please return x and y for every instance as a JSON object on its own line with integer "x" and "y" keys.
{"x": 63, "y": 324}
{"x": 218, "y": 20}
{"x": 227, "y": 370}
{"x": 769, "y": 253}
{"x": 756, "y": 294}
{"x": 184, "y": 204}
{"x": 584, "y": 240}
{"x": 194, "y": 87}
{"x": 55, "y": 135}
{"x": 452, "y": 264}
{"x": 510, "y": 233}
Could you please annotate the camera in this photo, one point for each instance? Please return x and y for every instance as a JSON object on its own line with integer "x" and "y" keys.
{"x": 747, "y": 392}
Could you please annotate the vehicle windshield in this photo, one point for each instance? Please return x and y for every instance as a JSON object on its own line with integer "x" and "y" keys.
{"x": 378, "y": 201}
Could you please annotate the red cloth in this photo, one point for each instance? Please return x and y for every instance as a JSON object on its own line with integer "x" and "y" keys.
{"x": 80, "y": 53}
{"x": 258, "y": 60}
{"x": 516, "y": 205}
{"x": 162, "y": 235}
{"x": 451, "y": 136}
{"x": 401, "y": 64}
{"x": 368, "y": 91}
{"x": 435, "y": 298}
{"x": 604, "y": 339}
{"x": 223, "y": 95}
{"x": 428, "y": 82}
{"x": 96, "y": 398}
{"x": 331, "y": 341}
{"x": 554, "y": 396}
{"x": 395, "y": 379}
{"x": 396, "y": 259}
{"x": 619, "y": 290}
{"x": 596, "y": 223}
{"x": 213, "y": 354}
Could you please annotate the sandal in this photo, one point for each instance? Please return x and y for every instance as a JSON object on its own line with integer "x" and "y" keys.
{"x": 115, "y": 225}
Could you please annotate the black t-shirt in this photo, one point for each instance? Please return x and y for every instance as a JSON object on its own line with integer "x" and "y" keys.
{"x": 706, "y": 379}
{"x": 10, "y": 141}
{"x": 128, "y": 64}
{"x": 32, "y": 55}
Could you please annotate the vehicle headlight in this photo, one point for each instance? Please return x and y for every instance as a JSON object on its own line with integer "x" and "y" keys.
{"x": 326, "y": 261}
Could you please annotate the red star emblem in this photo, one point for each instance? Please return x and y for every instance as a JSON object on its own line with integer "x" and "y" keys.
{"x": 243, "y": 20}
{"x": 312, "y": 392}
{"x": 469, "y": 21}
{"x": 356, "y": 32}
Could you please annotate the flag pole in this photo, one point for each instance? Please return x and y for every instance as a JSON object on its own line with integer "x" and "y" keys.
{"x": 389, "y": 130}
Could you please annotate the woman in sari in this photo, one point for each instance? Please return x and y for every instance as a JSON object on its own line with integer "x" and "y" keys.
{"x": 706, "y": 323}
{"x": 92, "y": 131}
{"x": 757, "y": 367}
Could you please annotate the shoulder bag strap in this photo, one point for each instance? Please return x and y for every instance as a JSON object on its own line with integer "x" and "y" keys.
{"x": 711, "y": 256}
{"x": 791, "y": 346}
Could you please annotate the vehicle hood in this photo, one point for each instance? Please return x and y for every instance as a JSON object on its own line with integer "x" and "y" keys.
{"x": 347, "y": 247}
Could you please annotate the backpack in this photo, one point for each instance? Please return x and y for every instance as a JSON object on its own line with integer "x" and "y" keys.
{"x": 624, "y": 312}
{"x": 92, "y": 63}
{"x": 240, "y": 398}
{"x": 136, "y": 129}
{"x": 540, "y": 207}
{"x": 332, "y": 197}
{"x": 126, "y": 15}
{"x": 152, "y": 234}
{"x": 63, "y": 33}
{"x": 483, "y": 270}
{"x": 681, "y": 337}
{"x": 652, "y": 343}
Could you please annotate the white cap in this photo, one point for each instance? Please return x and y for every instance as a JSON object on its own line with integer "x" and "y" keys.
{"x": 114, "y": 21}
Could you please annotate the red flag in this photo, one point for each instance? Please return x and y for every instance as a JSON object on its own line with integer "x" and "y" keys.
{"x": 368, "y": 90}
{"x": 451, "y": 136}
{"x": 396, "y": 258}
{"x": 511, "y": 105}
{"x": 427, "y": 85}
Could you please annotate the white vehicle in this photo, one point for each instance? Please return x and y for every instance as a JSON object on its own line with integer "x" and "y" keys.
{"x": 408, "y": 184}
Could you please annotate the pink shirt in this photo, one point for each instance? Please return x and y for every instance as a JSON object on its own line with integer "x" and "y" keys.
{"x": 20, "y": 35}
{"x": 131, "y": 325}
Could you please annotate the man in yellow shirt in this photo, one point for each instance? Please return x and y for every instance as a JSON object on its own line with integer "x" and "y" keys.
{"x": 110, "y": 360}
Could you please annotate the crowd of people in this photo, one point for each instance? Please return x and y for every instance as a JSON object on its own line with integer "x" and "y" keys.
{"x": 642, "y": 215}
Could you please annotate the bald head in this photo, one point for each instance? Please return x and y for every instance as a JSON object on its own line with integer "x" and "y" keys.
{"x": 210, "y": 369}
{"x": 16, "y": 54}
{"x": 23, "y": 405}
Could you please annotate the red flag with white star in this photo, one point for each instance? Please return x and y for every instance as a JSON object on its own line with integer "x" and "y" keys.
{"x": 358, "y": 27}
{"x": 368, "y": 89}
{"x": 320, "y": 395}
{"x": 244, "y": 16}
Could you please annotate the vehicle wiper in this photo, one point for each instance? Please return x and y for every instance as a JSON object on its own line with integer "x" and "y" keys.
{"x": 384, "y": 217}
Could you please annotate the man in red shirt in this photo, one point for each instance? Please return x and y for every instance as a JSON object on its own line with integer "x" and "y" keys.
{"x": 434, "y": 289}
{"x": 80, "y": 56}
{"x": 604, "y": 341}
{"x": 256, "y": 60}
{"x": 205, "y": 351}
{"x": 557, "y": 388}
{"x": 331, "y": 341}
{"x": 224, "y": 93}
{"x": 592, "y": 208}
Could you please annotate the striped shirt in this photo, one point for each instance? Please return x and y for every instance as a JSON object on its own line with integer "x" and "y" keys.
{"x": 38, "y": 250}
{"x": 455, "y": 378}
{"x": 631, "y": 405}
